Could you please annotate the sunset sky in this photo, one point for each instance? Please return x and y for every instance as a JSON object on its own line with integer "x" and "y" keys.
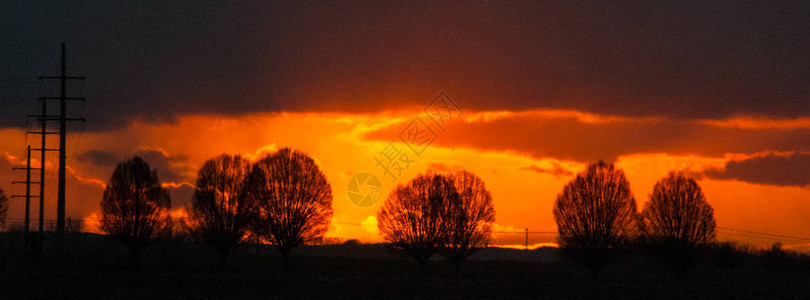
{"x": 542, "y": 89}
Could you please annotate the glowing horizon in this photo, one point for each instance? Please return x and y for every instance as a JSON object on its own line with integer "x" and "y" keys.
{"x": 524, "y": 183}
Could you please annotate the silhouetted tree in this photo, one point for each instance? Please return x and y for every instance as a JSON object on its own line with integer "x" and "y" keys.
{"x": 3, "y": 207}
{"x": 290, "y": 200}
{"x": 412, "y": 217}
{"x": 135, "y": 208}
{"x": 677, "y": 220}
{"x": 219, "y": 215}
{"x": 595, "y": 215}
{"x": 467, "y": 218}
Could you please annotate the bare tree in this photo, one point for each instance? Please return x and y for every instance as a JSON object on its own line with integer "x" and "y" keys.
{"x": 467, "y": 218}
{"x": 595, "y": 215}
{"x": 412, "y": 217}
{"x": 218, "y": 213}
{"x": 3, "y": 208}
{"x": 677, "y": 220}
{"x": 135, "y": 208}
{"x": 290, "y": 200}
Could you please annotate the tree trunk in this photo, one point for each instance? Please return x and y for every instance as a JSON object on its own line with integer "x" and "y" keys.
{"x": 136, "y": 256}
{"x": 421, "y": 262}
{"x": 136, "y": 251}
{"x": 223, "y": 260}
{"x": 285, "y": 259}
{"x": 457, "y": 266}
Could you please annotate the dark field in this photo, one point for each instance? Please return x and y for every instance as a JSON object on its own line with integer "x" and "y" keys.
{"x": 97, "y": 268}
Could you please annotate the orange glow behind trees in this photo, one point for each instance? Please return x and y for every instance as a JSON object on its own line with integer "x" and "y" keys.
{"x": 344, "y": 144}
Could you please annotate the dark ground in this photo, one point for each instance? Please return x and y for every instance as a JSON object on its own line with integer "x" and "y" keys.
{"x": 98, "y": 269}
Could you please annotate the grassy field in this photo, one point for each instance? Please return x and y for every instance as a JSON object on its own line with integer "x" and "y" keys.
{"x": 98, "y": 269}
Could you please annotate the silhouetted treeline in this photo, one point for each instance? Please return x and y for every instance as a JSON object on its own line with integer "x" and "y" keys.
{"x": 283, "y": 199}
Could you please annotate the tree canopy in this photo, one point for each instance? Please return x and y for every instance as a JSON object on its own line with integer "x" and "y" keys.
{"x": 447, "y": 213}
{"x": 677, "y": 220}
{"x": 219, "y": 214}
{"x": 290, "y": 199}
{"x": 135, "y": 208}
{"x": 678, "y": 212}
{"x": 412, "y": 217}
{"x": 467, "y": 218}
{"x": 595, "y": 214}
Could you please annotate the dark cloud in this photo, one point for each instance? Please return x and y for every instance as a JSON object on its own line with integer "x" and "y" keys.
{"x": 568, "y": 138}
{"x": 791, "y": 169}
{"x": 171, "y": 168}
{"x": 152, "y": 60}
{"x": 99, "y": 158}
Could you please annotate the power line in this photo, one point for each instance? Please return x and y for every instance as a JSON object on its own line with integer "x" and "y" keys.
{"x": 764, "y": 234}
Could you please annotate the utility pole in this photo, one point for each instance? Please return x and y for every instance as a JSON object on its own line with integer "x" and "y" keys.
{"x": 28, "y": 184}
{"x": 43, "y": 133}
{"x": 526, "y": 243}
{"x": 63, "y": 119}
{"x": 43, "y": 118}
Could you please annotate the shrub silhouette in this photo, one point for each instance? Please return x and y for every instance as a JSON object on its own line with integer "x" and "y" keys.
{"x": 677, "y": 221}
{"x": 411, "y": 218}
{"x": 467, "y": 218}
{"x": 595, "y": 215}
{"x": 290, "y": 200}
{"x": 135, "y": 208}
{"x": 218, "y": 213}
{"x": 776, "y": 258}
